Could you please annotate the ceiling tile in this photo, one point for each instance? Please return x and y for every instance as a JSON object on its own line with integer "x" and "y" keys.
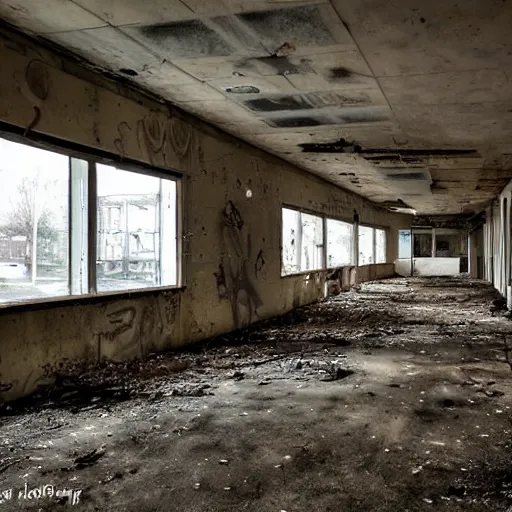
{"x": 407, "y": 37}
{"x": 232, "y": 119}
{"x": 189, "y": 39}
{"x": 207, "y": 7}
{"x": 216, "y": 68}
{"x": 480, "y": 86}
{"x": 124, "y": 12}
{"x": 309, "y": 26}
{"x": 462, "y": 125}
{"x": 195, "y": 92}
{"x": 45, "y": 16}
{"x": 110, "y": 48}
{"x": 240, "y": 6}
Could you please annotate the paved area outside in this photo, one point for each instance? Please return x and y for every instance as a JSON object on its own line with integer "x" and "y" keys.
{"x": 396, "y": 397}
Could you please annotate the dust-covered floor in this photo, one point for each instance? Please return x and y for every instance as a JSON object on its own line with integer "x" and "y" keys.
{"x": 395, "y": 397}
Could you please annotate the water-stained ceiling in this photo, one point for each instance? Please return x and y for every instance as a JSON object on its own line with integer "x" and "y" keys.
{"x": 408, "y": 103}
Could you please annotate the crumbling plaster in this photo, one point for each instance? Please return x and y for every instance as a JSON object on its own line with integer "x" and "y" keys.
{"x": 36, "y": 92}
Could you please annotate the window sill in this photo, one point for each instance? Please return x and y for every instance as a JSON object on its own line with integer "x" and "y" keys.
{"x": 304, "y": 273}
{"x": 80, "y": 300}
{"x": 331, "y": 269}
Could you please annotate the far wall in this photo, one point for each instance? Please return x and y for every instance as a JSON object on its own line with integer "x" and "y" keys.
{"x": 432, "y": 252}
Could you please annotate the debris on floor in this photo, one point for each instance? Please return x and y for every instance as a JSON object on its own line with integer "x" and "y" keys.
{"x": 397, "y": 396}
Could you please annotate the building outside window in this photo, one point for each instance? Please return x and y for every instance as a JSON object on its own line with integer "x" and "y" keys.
{"x": 366, "y": 245}
{"x": 44, "y": 219}
{"x": 302, "y": 242}
{"x": 312, "y": 242}
{"x": 131, "y": 213}
{"x": 339, "y": 243}
{"x": 380, "y": 246}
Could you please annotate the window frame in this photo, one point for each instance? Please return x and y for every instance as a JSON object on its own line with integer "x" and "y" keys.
{"x": 410, "y": 250}
{"x": 301, "y": 211}
{"x": 374, "y": 245}
{"x": 93, "y": 157}
{"x": 352, "y": 225}
{"x": 325, "y": 218}
{"x": 385, "y": 232}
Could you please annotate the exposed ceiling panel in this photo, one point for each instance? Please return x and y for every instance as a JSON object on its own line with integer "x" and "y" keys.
{"x": 369, "y": 94}
{"x": 191, "y": 39}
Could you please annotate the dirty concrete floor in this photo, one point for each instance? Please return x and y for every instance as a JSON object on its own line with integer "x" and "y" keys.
{"x": 395, "y": 397}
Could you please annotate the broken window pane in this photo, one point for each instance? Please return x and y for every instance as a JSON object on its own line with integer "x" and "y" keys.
{"x": 312, "y": 242}
{"x": 339, "y": 243}
{"x": 380, "y": 246}
{"x": 366, "y": 245}
{"x": 404, "y": 243}
{"x": 291, "y": 235}
{"x": 34, "y": 223}
{"x": 131, "y": 210}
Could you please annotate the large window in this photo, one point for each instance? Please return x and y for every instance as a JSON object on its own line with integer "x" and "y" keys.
{"x": 366, "y": 245}
{"x": 302, "y": 242}
{"x": 291, "y": 241}
{"x": 135, "y": 215}
{"x": 339, "y": 243}
{"x": 49, "y": 201}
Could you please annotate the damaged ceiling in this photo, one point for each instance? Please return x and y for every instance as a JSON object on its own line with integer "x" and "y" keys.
{"x": 406, "y": 103}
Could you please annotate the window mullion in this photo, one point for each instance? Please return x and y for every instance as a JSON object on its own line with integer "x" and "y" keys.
{"x": 299, "y": 242}
{"x": 71, "y": 250}
{"x": 78, "y": 220}
{"x": 92, "y": 249}
{"x": 324, "y": 243}
{"x": 374, "y": 235}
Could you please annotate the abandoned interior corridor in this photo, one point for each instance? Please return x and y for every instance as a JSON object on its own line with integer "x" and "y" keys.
{"x": 393, "y": 397}
{"x": 255, "y": 255}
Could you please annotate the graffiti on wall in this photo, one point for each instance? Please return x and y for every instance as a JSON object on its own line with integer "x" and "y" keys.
{"x": 233, "y": 280}
{"x": 135, "y": 330}
{"x": 36, "y": 88}
{"x": 259, "y": 264}
{"x": 158, "y": 136}
{"x": 220, "y": 277}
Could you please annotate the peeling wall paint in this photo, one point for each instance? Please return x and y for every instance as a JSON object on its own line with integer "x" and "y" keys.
{"x": 231, "y": 260}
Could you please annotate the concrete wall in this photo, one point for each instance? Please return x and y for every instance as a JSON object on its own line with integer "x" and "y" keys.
{"x": 428, "y": 266}
{"x": 55, "y": 98}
